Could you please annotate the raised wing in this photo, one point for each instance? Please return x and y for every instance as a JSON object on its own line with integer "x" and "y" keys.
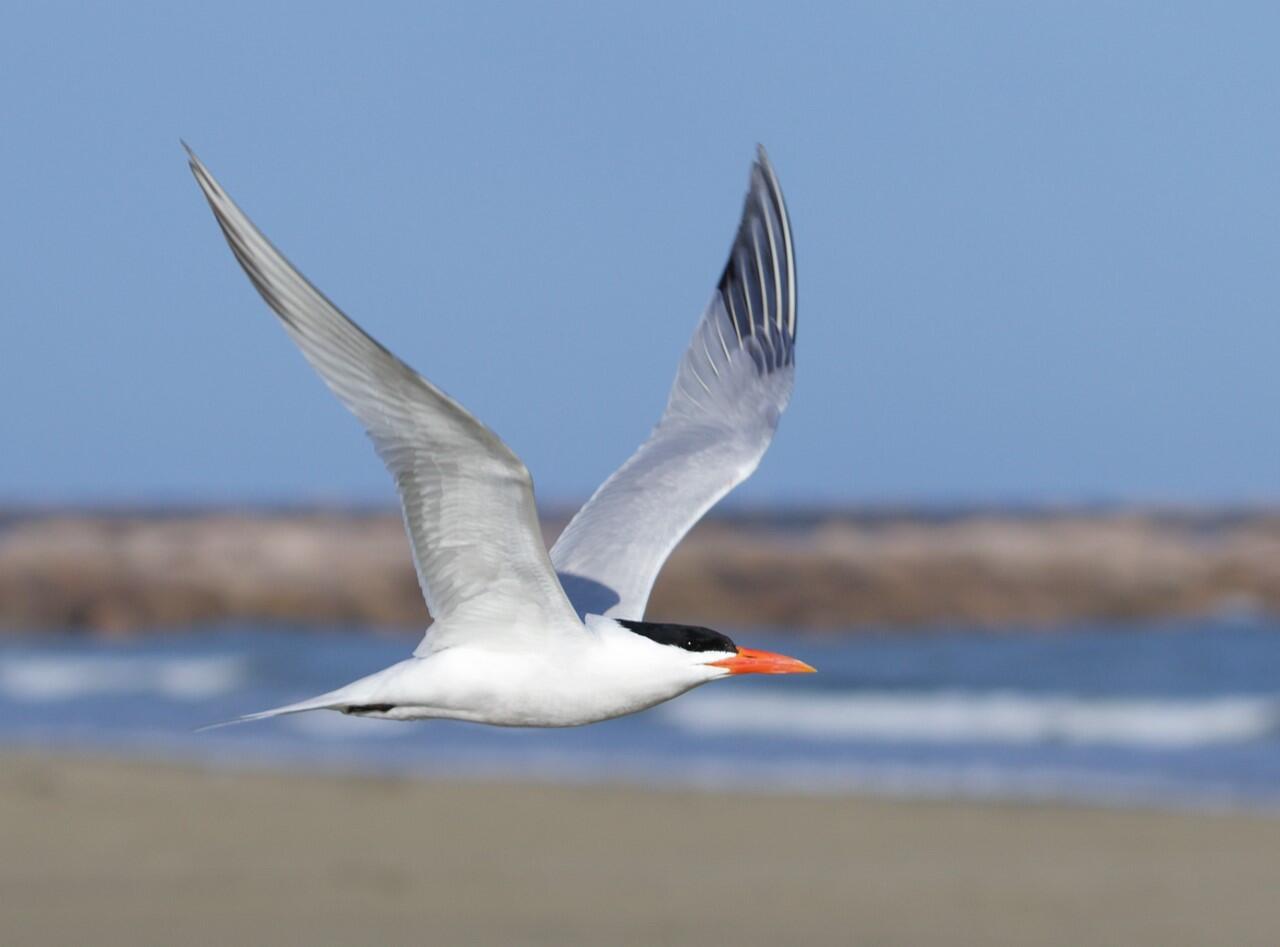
{"x": 467, "y": 499}
{"x": 731, "y": 387}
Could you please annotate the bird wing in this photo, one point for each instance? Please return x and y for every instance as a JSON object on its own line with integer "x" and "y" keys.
{"x": 467, "y": 499}
{"x": 730, "y": 389}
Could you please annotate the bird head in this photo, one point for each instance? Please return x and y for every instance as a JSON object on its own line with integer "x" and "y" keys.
{"x": 714, "y": 651}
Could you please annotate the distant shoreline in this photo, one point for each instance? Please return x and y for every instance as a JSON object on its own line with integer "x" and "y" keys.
{"x": 121, "y": 571}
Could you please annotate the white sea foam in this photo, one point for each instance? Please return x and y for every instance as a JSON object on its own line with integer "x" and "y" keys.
{"x": 63, "y": 677}
{"x": 995, "y": 717}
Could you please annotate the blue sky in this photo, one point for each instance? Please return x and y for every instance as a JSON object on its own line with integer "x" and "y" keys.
{"x": 1037, "y": 243}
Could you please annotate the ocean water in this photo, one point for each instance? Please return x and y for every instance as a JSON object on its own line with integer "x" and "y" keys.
{"x": 1180, "y": 714}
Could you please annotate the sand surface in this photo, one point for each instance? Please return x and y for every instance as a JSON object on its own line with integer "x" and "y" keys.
{"x": 111, "y": 852}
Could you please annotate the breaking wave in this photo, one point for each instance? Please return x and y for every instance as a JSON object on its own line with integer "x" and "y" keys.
{"x": 55, "y": 678}
{"x": 997, "y": 717}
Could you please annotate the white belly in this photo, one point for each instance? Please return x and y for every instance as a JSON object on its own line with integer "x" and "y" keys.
{"x": 521, "y": 690}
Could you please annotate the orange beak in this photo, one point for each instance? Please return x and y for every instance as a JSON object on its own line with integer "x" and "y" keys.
{"x": 750, "y": 661}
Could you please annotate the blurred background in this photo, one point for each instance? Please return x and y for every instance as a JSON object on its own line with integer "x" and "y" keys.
{"x": 1023, "y": 512}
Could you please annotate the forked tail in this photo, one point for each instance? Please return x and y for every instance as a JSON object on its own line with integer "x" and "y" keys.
{"x": 330, "y": 701}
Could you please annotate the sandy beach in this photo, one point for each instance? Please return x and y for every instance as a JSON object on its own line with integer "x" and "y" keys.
{"x": 114, "y": 852}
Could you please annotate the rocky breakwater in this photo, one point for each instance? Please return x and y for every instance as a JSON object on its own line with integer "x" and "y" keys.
{"x": 119, "y": 572}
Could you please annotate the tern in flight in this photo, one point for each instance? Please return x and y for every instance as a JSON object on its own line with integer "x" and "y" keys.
{"x": 521, "y": 637}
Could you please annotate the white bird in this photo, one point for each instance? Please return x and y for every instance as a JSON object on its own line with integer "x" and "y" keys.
{"x": 512, "y": 643}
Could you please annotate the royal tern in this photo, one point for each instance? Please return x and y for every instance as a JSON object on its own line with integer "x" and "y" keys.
{"x": 521, "y": 637}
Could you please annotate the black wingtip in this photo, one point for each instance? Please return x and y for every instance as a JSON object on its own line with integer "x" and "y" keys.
{"x": 200, "y": 172}
{"x": 760, "y": 299}
{"x": 193, "y": 162}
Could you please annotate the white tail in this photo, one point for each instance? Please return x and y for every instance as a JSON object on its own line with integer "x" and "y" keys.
{"x": 330, "y": 701}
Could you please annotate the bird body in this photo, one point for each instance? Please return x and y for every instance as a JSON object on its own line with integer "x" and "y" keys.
{"x": 605, "y": 672}
{"x": 522, "y": 637}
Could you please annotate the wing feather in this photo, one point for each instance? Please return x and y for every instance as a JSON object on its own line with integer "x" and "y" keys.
{"x": 732, "y": 385}
{"x": 467, "y": 499}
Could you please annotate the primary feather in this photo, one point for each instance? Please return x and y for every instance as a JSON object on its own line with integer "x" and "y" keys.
{"x": 732, "y": 385}
{"x": 467, "y": 499}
